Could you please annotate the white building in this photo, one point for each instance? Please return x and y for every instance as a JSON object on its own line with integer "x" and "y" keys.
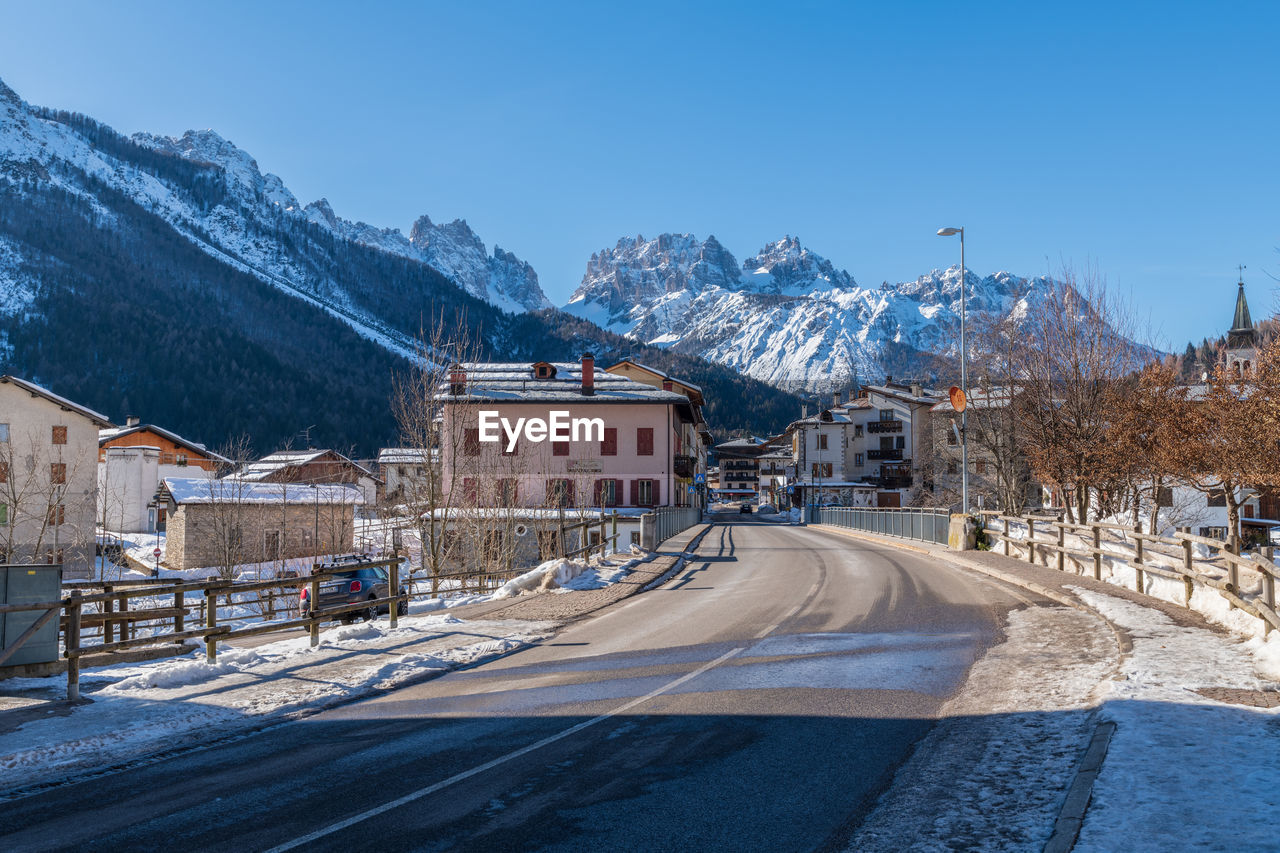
{"x": 132, "y": 462}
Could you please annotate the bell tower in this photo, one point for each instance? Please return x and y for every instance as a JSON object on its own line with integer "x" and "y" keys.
{"x": 1242, "y": 340}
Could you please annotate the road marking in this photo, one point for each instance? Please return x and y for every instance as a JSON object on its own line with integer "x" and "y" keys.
{"x": 489, "y": 765}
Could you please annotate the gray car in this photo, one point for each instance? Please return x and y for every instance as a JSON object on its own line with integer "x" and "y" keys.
{"x": 351, "y": 586}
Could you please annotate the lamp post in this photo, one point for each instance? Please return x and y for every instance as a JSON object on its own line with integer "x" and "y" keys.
{"x": 964, "y": 379}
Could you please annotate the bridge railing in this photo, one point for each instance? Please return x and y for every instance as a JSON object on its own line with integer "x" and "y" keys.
{"x": 925, "y": 525}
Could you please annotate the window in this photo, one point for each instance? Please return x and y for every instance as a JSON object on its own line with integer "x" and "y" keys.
{"x": 952, "y": 467}
{"x": 857, "y": 430}
{"x": 980, "y": 466}
{"x": 645, "y": 492}
{"x": 182, "y": 459}
{"x": 59, "y": 435}
{"x": 900, "y": 442}
{"x": 559, "y": 448}
{"x": 4, "y": 513}
{"x": 4, "y": 471}
{"x": 470, "y": 490}
{"x": 4, "y": 433}
{"x": 609, "y": 447}
{"x": 559, "y": 492}
{"x": 1164, "y": 497}
{"x": 508, "y": 489}
{"x": 635, "y": 537}
{"x": 644, "y": 441}
{"x": 857, "y": 460}
{"x": 951, "y": 437}
{"x": 471, "y": 442}
{"x": 271, "y": 544}
{"x": 53, "y": 557}
{"x": 1214, "y": 532}
{"x": 822, "y": 441}
{"x": 607, "y": 492}
{"x": 57, "y": 473}
{"x": 56, "y": 515}
{"x": 822, "y": 469}
{"x": 886, "y": 414}
{"x": 1217, "y": 497}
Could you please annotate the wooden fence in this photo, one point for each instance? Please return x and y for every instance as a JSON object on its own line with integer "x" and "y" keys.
{"x": 98, "y": 617}
{"x": 1247, "y": 582}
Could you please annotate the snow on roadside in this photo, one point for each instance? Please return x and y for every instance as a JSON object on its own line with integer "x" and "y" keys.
{"x": 140, "y": 708}
{"x": 1183, "y": 771}
{"x": 992, "y": 774}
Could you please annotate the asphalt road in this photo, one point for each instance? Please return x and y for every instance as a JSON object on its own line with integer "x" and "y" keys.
{"x": 760, "y": 700}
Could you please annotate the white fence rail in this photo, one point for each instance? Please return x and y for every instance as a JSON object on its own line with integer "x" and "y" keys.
{"x": 926, "y": 525}
{"x": 666, "y": 521}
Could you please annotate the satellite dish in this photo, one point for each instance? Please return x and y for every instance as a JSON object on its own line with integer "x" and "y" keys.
{"x": 958, "y": 400}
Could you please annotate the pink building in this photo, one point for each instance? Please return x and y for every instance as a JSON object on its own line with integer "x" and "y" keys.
{"x": 565, "y": 434}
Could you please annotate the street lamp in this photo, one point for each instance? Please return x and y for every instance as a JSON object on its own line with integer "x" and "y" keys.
{"x": 964, "y": 379}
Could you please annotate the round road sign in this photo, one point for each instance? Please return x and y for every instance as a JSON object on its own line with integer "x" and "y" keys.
{"x": 958, "y": 400}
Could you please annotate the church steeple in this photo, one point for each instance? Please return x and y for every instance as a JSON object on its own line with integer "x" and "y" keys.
{"x": 1242, "y": 340}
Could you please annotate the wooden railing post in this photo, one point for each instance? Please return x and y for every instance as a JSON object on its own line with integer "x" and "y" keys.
{"x": 393, "y": 573}
{"x": 1233, "y": 569}
{"x": 1189, "y": 565}
{"x": 125, "y": 624}
{"x": 312, "y": 601}
{"x": 1097, "y": 552}
{"x": 1268, "y": 585}
{"x": 210, "y": 621}
{"x": 72, "y": 650}
{"x": 180, "y": 614}
{"x": 604, "y": 541}
{"x": 1062, "y": 548}
{"x": 1137, "y": 548}
{"x": 1031, "y": 535}
{"x": 1006, "y": 537}
{"x": 108, "y": 624}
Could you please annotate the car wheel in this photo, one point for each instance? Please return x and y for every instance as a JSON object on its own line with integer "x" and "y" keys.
{"x": 402, "y": 608}
{"x": 371, "y": 613}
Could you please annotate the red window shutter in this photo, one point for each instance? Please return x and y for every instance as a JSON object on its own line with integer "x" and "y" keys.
{"x": 609, "y": 447}
{"x": 471, "y": 442}
{"x": 569, "y": 493}
{"x": 635, "y": 493}
{"x": 559, "y": 448}
{"x": 595, "y": 497}
{"x": 469, "y": 491}
{"x": 644, "y": 441}
{"x": 551, "y": 492}
{"x": 618, "y": 499}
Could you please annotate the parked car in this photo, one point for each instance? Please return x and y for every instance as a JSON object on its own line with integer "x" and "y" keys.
{"x": 745, "y": 509}
{"x": 351, "y": 586}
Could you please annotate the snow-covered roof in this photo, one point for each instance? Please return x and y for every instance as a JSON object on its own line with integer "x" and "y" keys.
{"x": 996, "y": 398}
{"x": 275, "y": 462}
{"x": 39, "y": 391}
{"x": 404, "y": 456}
{"x": 106, "y": 435}
{"x": 927, "y": 396}
{"x": 196, "y": 490}
{"x": 515, "y": 382}
{"x": 656, "y": 372}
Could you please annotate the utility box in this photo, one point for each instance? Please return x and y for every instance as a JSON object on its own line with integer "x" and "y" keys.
{"x": 23, "y": 585}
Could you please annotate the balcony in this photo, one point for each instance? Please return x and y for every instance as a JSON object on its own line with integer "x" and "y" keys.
{"x": 877, "y": 453}
{"x": 684, "y": 466}
{"x": 884, "y": 426}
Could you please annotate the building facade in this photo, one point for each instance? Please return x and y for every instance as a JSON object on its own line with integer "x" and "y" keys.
{"x": 132, "y": 462}
{"x": 48, "y": 478}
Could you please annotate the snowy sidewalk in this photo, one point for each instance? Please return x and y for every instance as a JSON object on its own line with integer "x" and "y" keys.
{"x": 139, "y": 710}
{"x": 1185, "y": 769}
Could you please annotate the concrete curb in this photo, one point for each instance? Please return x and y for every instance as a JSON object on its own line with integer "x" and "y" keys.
{"x": 1067, "y": 828}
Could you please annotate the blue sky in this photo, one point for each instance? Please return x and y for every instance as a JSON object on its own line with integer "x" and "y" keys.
{"x": 1136, "y": 139}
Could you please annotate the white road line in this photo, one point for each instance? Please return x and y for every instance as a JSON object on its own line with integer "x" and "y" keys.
{"x": 489, "y": 765}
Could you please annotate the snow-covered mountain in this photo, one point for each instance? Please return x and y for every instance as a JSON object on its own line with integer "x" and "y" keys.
{"x": 786, "y": 315}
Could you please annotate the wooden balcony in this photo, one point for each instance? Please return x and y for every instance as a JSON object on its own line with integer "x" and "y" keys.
{"x": 884, "y": 426}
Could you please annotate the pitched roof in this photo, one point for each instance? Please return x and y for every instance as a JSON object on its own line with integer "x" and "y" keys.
{"x": 39, "y": 391}
{"x": 105, "y": 435}
{"x": 927, "y": 396}
{"x": 270, "y": 464}
{"x": 197, "y": 490}
{"x": 515, "y": 382}
{"x": 658, "y": 373}
{"x": 404, "y": 455}
{"x": 1242, "y": 333}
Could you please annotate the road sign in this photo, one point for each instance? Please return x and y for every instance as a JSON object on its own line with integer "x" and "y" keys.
{"x": 156, "y": 553}
{"x": 692, "y": 489}
{"x": 700, "y": 478}
{"x": 791, "y": 490}
{"x": 958, "y": 400}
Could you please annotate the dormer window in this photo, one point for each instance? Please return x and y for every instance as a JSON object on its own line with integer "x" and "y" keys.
{"x": 544, "y": 370}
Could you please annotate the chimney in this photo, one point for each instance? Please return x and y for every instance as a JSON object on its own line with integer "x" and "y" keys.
{"x": 917, "y": 390}
{"x": 666, "y": 385}
{"x": 888, "y": 379}
{"x": 588, "y": 374}
{"x": 131, "y": 421}
{"x": 835, "y": 399}
{"x": 457, "y": 380}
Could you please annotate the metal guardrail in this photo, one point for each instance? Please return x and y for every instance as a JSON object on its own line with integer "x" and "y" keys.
{"x": 926, "y": 525}
{"x": 664, "y": 522}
